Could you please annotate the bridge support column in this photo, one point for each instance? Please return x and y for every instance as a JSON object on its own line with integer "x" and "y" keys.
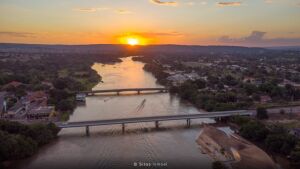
{"x": 139, "y": 92}
{"x": 87, "y": 130}
{"x": 188, "y": 123}
{"x": 218, "y": 119}
{"x": 156, "y": 124}
{"x": 118, "y": 93}
{"x": 123, "y": 128}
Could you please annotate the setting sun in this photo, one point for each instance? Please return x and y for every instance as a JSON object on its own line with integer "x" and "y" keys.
{"x": 132, "y": 41}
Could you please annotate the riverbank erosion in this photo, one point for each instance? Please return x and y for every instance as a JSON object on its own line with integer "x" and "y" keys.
{"x": 233, "y": 150}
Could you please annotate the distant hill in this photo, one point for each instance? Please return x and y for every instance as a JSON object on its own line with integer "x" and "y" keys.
{"x": 293, "y": 48}
{"x": 105, "y": 48}
{"x": 111, "y": 48}
{"x": 189, "y": 49}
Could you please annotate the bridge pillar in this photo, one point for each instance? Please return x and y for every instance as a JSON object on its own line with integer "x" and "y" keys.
{"x": 188, "y": 123}
{"x": 123, "y": 128}
{"x": 118, "y": 93}
{"x": 218, "y": 119}
{"x": 139, "y": 92}
{"x": 87, "y": 130}
{"x": 156, "y": 124}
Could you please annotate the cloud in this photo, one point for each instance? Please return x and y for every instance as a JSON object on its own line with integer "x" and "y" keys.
{"x": 153, "y": 34}
{"x": 166, "y": 3}
{"x": 90, "y": 10}
{"x": 150, "y": 34}
{"x": 85, "y": 9}
{"x": 18, "y": 34}
{"x": 123, "y": 11}
{"x": 257, "y": 38}
{"x": 224, "y": 4}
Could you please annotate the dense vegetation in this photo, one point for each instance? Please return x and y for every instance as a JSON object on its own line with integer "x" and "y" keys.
{"x": 59, "y": 75}
{"x": 212, "y": 100}
{"x": 218, "y": 165}
{"x": 231, "y": 81}
{"x": 275, "y": 138}
{"x": 18, "y": 141}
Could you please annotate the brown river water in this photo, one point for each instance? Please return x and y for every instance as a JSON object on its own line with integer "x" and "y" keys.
{"x": 173, "y": 146}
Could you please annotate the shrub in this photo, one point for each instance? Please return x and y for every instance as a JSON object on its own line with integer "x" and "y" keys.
{"x": 261, "y": 113}
{"x": 218, "y": 165}
{"x": 254, "y": 130}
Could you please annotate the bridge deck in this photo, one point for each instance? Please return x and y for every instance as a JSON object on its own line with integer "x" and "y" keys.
{"x": 153, "y": 119}
{"x": 125, "y": 90}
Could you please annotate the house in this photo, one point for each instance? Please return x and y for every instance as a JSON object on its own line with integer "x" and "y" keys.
{"x": 36, "y": 96}
{"x": 14, "y": 110}
{"x": 177, "y": 79}
{"x": 35, "y": 99}
{"x": 265, "y": 99}
{"x": 40, "y": 112}
{"x": 192, "y": 76}
{"x": 12, "y": 84}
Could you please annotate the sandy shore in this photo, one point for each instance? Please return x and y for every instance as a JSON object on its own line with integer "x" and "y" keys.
{"x": 233, "y": 150}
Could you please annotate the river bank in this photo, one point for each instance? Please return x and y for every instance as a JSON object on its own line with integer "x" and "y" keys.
{"x": 107, "y": 147}
{"x": 233, "y": 150}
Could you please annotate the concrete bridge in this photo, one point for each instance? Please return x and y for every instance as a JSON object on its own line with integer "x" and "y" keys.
{"x": 155, "y": 119}
{"x": 118, "y": 91}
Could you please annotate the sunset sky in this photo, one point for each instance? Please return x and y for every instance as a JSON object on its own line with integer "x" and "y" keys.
{"x": 197, "y": 22}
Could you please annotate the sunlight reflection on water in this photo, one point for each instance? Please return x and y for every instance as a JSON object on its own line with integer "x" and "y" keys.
{"x": 107, "y": 147}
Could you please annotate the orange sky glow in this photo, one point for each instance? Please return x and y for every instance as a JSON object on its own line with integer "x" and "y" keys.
{"x": 188, "y": 22}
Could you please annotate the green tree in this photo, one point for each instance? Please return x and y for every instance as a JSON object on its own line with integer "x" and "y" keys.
{"x": 65, "y": 105}
{"x": 218, "y": 165}
{"x": 254, "y": 130}
{"x": 40, "y": 133}
{"x": 262, "y": 113}
{"x": 15, "y": 146}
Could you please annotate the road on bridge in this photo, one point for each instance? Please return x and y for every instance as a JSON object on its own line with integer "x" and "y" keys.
{"x": 155, "y": 119}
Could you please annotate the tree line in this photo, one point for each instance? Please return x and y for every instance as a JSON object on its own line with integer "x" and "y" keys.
{"x": 18, "y": 141}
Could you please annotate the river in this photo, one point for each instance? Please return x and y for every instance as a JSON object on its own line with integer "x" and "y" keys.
{"x": 173, "y": 146}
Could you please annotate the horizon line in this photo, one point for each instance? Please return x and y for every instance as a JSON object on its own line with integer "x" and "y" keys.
{"x": 167, "y": 44}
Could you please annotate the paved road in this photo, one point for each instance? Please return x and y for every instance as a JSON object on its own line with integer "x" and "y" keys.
{"x": 295, "y": 109}
{"x": 125, "y": 90}
{"x": 154, "y": 118}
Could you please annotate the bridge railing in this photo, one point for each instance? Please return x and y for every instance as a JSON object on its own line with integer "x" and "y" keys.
{"x": 124, "y": 90}
{"x": 155, "y": 119}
